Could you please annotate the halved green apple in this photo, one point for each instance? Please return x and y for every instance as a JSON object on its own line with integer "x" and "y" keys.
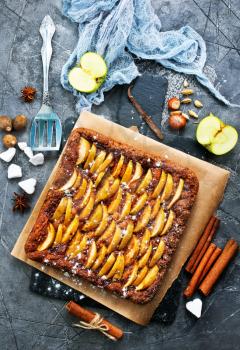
{"x": 215, "y": 136}
{"x": 91, "y": 73}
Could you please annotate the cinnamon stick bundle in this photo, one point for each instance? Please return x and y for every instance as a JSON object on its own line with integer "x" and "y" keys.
{"x": 226, "y": 256}
{"x": 193, "y": 284}
{"x": 203, "y": 244}
{"x": 88, "y": 316}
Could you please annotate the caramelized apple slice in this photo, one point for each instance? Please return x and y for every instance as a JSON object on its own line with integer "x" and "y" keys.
{"x": 132, "y": 276}
{"x": 145, "y": 181}
{"x": 99, "y": 179}
{"x": 144, "y": 259}
{"x": 115, "y": 240}
{"x": 113, "y": 206}
{"x": 92, "y": 254}
{"x": 145, "y": 241}
{"x": 118, "y": 167}
{"x": 88, "y": 208}
{"x": 68, "y": 213}
{"x": 156, "y": 208}
{"x": 108, "y": 233}
{"x": 168, "y": 188}
{"x": 128, "y": 172}
{"x": 94, "y": 219}
{"x": 126, "y": 207}
{"x": 74, "y": 243}
{"x": 70, "y": 182}
{"x": 143, "y": 219}
{"x": 169, "y": 222}
{"x": 84, "y": 147}
{"x": 104, "y": 222}
{"x": 177, "y": 193}
{"x": 77, "y": 182}
{"x": 127, "y": 235}
{"x": 114, "y": 187}
{"x": 80, "y": 247}
{"x": 91, "y": 155}
{"x": 141, "y": 274}
{"x": 101, "y": 255}
{"x": 61, "y": 208}
{"x": 105, "y": 164}
{"x": 149, "y": 278}
{"x": 71, "y": 229}
{"x": 160, "y": 185}
{"x": 137, "y": 173}
{"x": 158, "y": 223}
{"x": 108, "y": 264}
{"x": 49, "y": 239}
{"x": 158, "y": 253}
{"x": 98, "y": 161}
{"x": 59, "y": 234}
{"x": 81, "y": 190}
{"x": 87, "y": 194}
{"x": 117, "y": 269}
{"x": 103, "y": 192}
{"x": 132, "y": 250}
{"x": 139, "y": 203}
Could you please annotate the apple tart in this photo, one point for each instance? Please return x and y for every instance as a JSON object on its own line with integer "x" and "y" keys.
{"x": 113, "y": 215}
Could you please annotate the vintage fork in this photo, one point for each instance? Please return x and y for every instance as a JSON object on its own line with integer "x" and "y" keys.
{"x": 46, "y": 128}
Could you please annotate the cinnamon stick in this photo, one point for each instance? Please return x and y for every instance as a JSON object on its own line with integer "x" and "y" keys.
{"x": 145, "y": 116}
{"x": 210, "y": 262}
{"x": 226, "y": 256}
{"x": 88, "y": 316}
{"x": 202, "y": 245}
{"x": 193, "y": 284}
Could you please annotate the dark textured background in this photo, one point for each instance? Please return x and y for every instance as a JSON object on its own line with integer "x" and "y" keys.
{"x": 29, "y": 321}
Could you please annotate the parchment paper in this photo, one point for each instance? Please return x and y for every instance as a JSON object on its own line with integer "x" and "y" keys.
{"x": 212, "y": 181}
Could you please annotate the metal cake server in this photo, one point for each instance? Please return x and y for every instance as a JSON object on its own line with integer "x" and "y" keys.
{"x": 46, "y": 128}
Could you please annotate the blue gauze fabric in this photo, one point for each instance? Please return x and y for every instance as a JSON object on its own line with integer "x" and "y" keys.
{"x": 115, "y": 29}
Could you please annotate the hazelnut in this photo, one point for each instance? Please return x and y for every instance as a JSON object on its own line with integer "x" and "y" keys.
{"x": 177, "y": 121}
{"x": 19, "y": 122}
{"x": 9, "y": 140}
{"x": 174, "y": 103}
{"x": 5, "y": 123}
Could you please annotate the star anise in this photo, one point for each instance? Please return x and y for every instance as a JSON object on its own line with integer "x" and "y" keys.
{"x": 28, "y": 93}
{"x": 20, "y": 202}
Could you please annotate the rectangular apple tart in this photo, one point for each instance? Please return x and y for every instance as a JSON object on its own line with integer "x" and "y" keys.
{"x": 113, "y": 215}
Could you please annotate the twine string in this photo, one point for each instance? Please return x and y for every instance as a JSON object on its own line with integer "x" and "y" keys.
{"x": 96, "y": 324}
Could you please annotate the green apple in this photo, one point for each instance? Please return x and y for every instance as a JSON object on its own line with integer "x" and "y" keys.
{"x": 90, "y": 74}
{"x": 215, "y": 136}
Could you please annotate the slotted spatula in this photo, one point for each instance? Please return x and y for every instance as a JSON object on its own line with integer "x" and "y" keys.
{"x": 46, "y": 128}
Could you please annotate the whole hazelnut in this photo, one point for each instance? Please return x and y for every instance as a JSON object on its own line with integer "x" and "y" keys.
{"x": 9, "y": 140}
{"x": 5, "y": 123}
{"x": 19, "y": 122}
{"x": 177, "y": 121}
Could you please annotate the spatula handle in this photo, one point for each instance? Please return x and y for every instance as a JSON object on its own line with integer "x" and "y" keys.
{"x": 47, "y": 29}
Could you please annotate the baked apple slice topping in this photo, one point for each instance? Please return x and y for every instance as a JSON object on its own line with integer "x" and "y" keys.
{"x": 139, "y": 203}
{"x": 127, "y": 235}
{"x": 169, "y": 223}
{"x": 84, "y": 147}
{"x": 118, "y": 167}
{"x": 143, "y": 219}
{"x": 70, "y": 182}
{"x": 126, "y": 207}
{"x": 49, "y": 239}
{"x": 145, "y": 241}
{"x": 137, "y": 173}
{"x": 115, "y": 240}
{"x": 71, "y": 229}
{"x": 149, "y": 278}
{"x": 108, "y": 264}
{"x": 92, "y": 254}
{"x": 168, "y": 188}
{"x": 117, "y": 269}
{"x": 132, "y": 276}
{"x": 128, "y": 172}
{"x": 158, "y": 223}
{"x": 145, "y": 182}
{"x": 177, "y": 193}
{"x": 91, "y": 155}
{"x": 157, "y": 254}
{"x": 97, "y": 162}
{"x": 160, "y": 185}
{"x": 94, "y": 219}
{"x": 101, "y": 256}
